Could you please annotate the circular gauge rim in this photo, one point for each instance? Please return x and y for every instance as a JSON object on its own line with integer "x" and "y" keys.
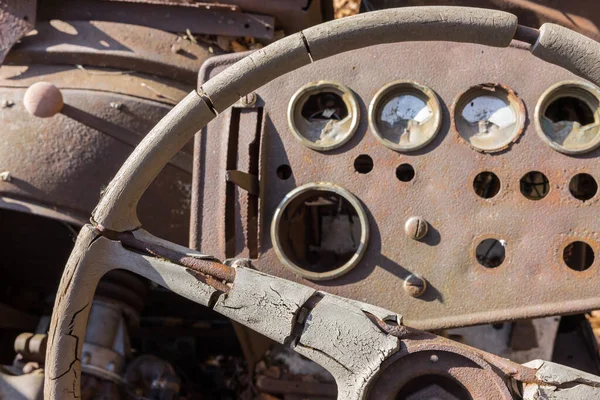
{"x": 515, "y": 101}
{"x": 364, "y": 235}
{"x": 351, "y": 104}
{"x": 548, "y": 96}
{"x": 382, "y": 95}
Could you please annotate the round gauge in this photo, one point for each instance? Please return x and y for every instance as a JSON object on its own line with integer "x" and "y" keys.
{"x": 489, "y": 117}
{"x": 320, "y": 231}
{"x": 323, "y": 115}
{"x": 405, "y": 116}
{"x": 567, "y": 117}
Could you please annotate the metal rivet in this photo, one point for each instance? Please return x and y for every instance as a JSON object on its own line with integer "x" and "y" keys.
{"x": 116, "y": 106}
{"x": 414, "y": 285}
{"x": 416, "y": 228}
{"x": 248, "y": 100}
{"x": 434, "y": 358}
{"x": 43, "y": 99}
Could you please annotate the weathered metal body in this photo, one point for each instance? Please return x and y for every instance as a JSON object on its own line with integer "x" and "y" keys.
{"x": 532, "y": 281}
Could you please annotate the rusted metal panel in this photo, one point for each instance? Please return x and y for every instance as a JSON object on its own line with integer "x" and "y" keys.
{"x": 17, "y": 17}
{"x": 64, "y": 164}
{"x": 172, "y": 18}
{"x": 114, "y": 45}
{"x": 533, "y": 279}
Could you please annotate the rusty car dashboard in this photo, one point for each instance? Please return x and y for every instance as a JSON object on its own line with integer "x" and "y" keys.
{"x": 452, "y": 183}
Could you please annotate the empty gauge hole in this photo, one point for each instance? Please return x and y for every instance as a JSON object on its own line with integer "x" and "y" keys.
{"x": 490, "y": 252}
{"x": 578, "y": 256}
{"x": 363, "y": 164}
{"x": 319, "y": 231}
{"x": 405, "y": 172}
{"x": 486, "y": 184}
{"x": 534, "y": 185}
{"x": 583, "y": 187}
{"x": 570, "y": 109}
{"x": 284, "y": 172}
{"x": 324, "y": 106}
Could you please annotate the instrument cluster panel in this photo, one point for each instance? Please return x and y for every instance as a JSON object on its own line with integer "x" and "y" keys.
{"x": 454, "y": 184}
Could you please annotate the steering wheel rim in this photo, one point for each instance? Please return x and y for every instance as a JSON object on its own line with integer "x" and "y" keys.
{"x": 102, "y": 247}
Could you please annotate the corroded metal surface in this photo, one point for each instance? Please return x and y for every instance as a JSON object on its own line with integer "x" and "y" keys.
{"x": 16, "y": 19}
{"x": 533, "y": 280}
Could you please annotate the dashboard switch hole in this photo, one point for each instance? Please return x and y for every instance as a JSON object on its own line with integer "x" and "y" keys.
{"x": 583, "y": 187}
{"x": 578, "y": 256}
{"x": 534, "y": 185}
{"x": 405, "y": 172}
{"x": 363, "y": 164}
{"x": 284, "y": 172}
{"x": 490, "y": 252}
{"x": 486, "y": 184}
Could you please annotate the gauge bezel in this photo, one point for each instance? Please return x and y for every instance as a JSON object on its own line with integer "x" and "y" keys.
{"x": 424, "y": 93}
{"x": 364, "y": 235}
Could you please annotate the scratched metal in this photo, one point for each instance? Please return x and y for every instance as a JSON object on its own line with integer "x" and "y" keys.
{"x": 532, "y": 281}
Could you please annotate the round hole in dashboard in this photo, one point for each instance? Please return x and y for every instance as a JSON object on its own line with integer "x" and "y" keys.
{"x": 486, "y": 184}
{"x": 284, "y": 172}
{"x": 578, "y": 255}
{"x": 405, "y": 172}
{"x": 490, "y": 252}
{"x": 489, "y": 117}
{"x": 567, "y": 117}
{"x": 583, "y": 187}
{"x": 405, "y": 116}
{"x": 320, "y": 231}
{"x": 534, "y": 185}
{"x": 323, "y": 115}
{"x": 363, "y": 164}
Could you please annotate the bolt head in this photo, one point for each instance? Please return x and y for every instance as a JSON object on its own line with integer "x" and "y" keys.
{"x": 415, "y": 286}
{"x": 416, "y": 228}
{"x": 43, "y": 100}
{"x": 248, "y": 100}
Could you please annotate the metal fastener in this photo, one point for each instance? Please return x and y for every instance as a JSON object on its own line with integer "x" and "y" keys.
{"x": 434, "y": 358}
{"x": 248, "y": 100}
{"x": 116, "y": 106}
{"x": 416, "y": 228}
{"x": 414, "y": 285}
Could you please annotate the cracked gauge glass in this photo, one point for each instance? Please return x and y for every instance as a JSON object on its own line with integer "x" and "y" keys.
{"x": 323, "y": 115}
{"x": 490, "y": 117}
{"x": 567, "y": 117}
{"x": 405, "y": 116}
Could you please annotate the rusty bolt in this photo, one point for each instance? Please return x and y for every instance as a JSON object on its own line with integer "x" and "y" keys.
{"x": 248, "y": 100}
{"x": 43, "y": 99}
{"x": 175, "y": 48}
{"x": 415, "y": 228}
{"x": 243, "y": 263}
{"x": 414, "y": 285}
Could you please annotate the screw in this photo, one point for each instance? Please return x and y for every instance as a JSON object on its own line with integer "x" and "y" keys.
{"x": 434, "y": 359}
{"x": 116, "y": 106}
{"x": 5, "y": 176}
{"x": 248, "y": 100}
{"x": 415, "y": 228}
{"x": 175, "y": 48}
{"x": 414, "y": 285}
{"x": 242, "y": 263}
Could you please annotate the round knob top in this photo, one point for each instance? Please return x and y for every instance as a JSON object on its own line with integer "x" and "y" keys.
{"x": 43, "y": 99}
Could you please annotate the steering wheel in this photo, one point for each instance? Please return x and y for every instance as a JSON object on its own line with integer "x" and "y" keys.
{"x": 274, "y": 307}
